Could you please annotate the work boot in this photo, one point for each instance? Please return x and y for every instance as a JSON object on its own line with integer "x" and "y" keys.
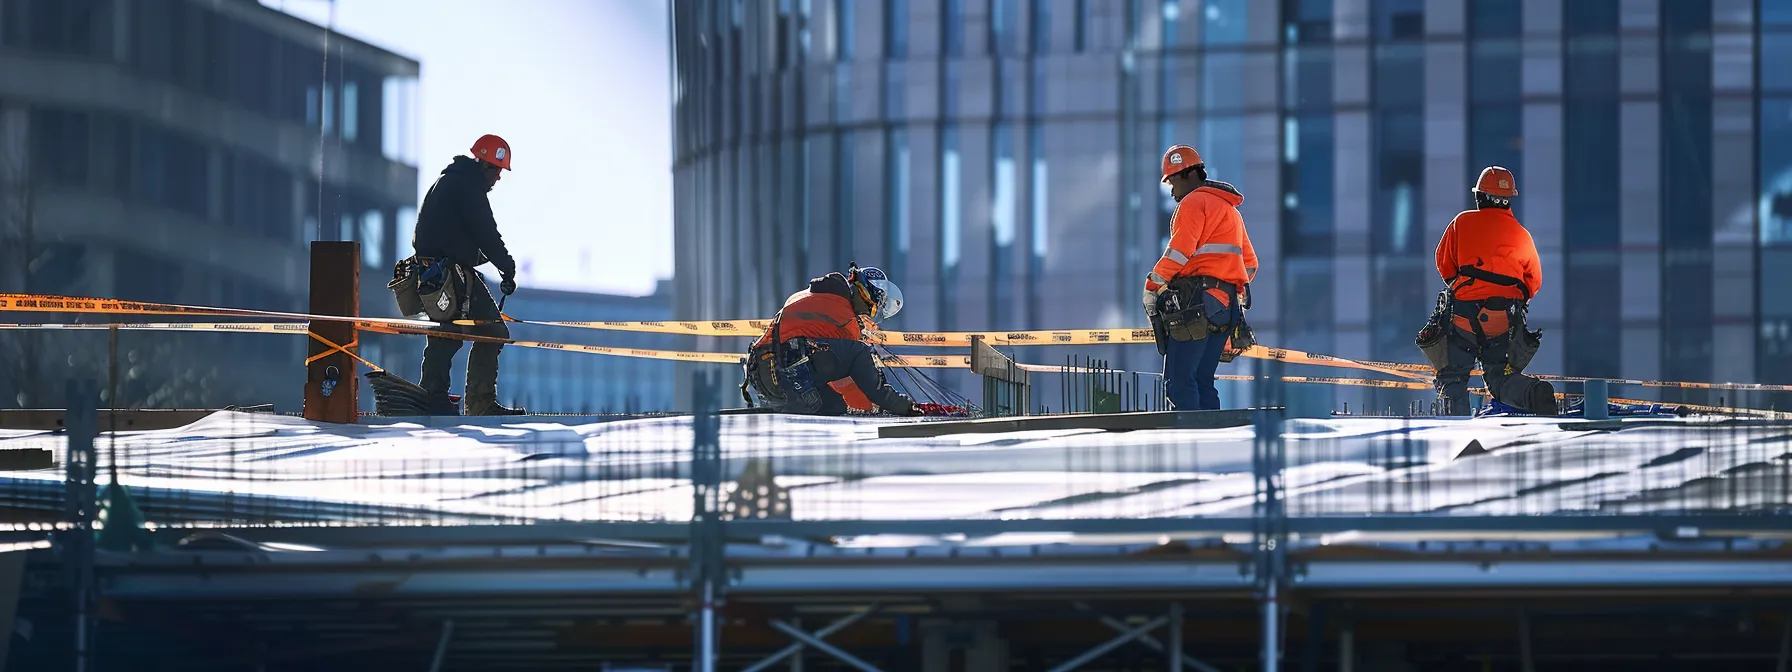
{"x": 482, "y": 382}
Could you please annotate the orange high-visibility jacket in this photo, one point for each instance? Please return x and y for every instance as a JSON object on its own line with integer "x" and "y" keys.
{"x": 1207, "y": 237}
{"x": 815, "y": 315}
{"x": 818, "y": 312}
{"x": 1492, "y": 244}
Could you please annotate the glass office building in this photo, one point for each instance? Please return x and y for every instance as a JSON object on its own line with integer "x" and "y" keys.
{"x": 1000, "y": 158}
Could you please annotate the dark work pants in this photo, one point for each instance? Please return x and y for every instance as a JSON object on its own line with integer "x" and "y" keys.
{"x": 482, "y": 362}
{"x": 855, "y": 361}
{"x": 1189, "y": 366}
{"x": 1465, "y": 349}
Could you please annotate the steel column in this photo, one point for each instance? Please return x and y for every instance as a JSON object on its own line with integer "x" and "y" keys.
{"x": 1176, "y": 637}
{"x": 794, "y": 649}
{"x": 82, "y": 504}
{"x": 435, "y": 665}
{"x": 824, "y": 647}
{"x": 1112, "y": 644}
{"x": 708, "y": 571}
{"x": 1269, "y": 462}
{"x": 1525, "y": 662}
{"x": 1785, "y": 664}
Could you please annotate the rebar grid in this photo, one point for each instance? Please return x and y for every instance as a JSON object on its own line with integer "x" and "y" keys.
{"x": 245, "y": 469}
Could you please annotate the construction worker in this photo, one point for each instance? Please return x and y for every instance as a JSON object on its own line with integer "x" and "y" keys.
{"x": 457, "y": 233}
{"x": 1197, "y": 293}
{"x": 820, "y": 365}
{"x": 1490, "y": 265}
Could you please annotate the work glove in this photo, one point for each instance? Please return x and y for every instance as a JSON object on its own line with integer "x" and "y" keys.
{"x": 508, "y": 286}
{"x": 1150, "y": 303}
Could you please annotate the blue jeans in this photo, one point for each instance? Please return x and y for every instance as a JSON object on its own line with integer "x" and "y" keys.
{"x": 1189, "y": 366}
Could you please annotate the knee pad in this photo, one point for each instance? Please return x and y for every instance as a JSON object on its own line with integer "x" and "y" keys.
{"x": 1530, "y": 395}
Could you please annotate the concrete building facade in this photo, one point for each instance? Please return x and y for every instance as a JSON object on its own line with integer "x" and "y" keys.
{"x": 187, "y": 151}
{"x": 1000, "y": 158}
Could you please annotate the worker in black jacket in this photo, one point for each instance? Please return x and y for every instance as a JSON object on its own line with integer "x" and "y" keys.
{"x": 455, "y": 225}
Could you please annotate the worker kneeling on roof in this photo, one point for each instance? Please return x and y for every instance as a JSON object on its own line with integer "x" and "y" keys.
{"x": 1492, "y": 270}
{"x": 1197, "y": 293}
{"x": 812, "y": 359}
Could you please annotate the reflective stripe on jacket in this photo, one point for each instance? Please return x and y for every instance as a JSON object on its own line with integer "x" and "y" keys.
{"x": 1207, "y": 238}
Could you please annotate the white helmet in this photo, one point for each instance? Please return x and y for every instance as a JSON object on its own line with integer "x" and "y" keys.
{"x": 882, "y": 294}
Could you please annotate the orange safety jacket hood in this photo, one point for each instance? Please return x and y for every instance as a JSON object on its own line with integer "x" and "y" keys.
{"x": 1207, "y": 238}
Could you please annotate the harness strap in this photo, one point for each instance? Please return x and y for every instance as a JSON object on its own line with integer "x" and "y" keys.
{"x": 1484, "y": 275}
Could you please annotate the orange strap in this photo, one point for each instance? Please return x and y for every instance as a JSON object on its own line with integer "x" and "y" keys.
{"x": 330, "y": 348}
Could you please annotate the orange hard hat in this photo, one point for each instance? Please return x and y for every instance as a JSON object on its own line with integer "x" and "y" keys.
{"x": 1497, "y": 181}
{"x": 1180, "y": 158}
{"x": 493, "y": 150}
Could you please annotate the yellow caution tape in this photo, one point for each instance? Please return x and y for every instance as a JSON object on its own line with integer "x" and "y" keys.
{"x": 753, "y": 328}
{"x": 35, "y": 303}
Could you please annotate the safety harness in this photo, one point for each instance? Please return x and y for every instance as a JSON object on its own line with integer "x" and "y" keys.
{"x": 1474, "y": 273}
{"x": 781, "y": 373}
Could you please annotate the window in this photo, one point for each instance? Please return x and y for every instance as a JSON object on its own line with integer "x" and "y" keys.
{"x": 351, "y": 112}
{"x": 398, "y": 116}
{"x": 949, "y": 223}
{"x": 1399, "y": 19}
{"x": 1223, "y": 22}
{"x": 896, "y": 29}
{"x": 952, "y": 28}
{"x": 1497, "y": 19}
{"x": 1686, "y": 234}
{"x": 896, "y": 153}
{"x": 312, "y": 107}
{"x": 329, "y": 108}
{"x": 1041, "y": 28}
{"x": 1307, "y": 179}
{"x": 844, "y": 20}
{"x": 373, "y": 239}
{"x": 1400, "y": 177}
{"x": 1002, "y": 219}
{"x": 1307, "y": 21}
{"x": 1004, "y": 26}
{"x": 1082, "y": 26}
{"x": 1039, "y": 232}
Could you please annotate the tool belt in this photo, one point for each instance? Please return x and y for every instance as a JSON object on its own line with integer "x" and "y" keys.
{"x": 783, "y": 374}
{"x": 1182, "y": 307}
{"x": 1477, "y": 322}
{"x": 433, "y": 287}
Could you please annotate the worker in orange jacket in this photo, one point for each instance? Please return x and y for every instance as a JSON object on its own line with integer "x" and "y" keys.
{"x": 812, "y": 359}
{"x": 1492, "y": 270}
{"x": 1198, "y": 291}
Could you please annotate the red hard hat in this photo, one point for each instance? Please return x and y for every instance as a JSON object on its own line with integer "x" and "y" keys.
{"x": 1180, "y": 158}
{"x": 1497, "y": 181}
{"x": 493, "y": 150}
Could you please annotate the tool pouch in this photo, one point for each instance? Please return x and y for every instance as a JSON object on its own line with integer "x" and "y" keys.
{"x": 1433, "y": 338}
{"x": 1525, "y": 343}
{"x": 1242, "y": 339}
{"x": 798, "y": 378}
{"x": 1433, "y": 342}
{"x": 441, "y": 288}
{"x": 1183, "y": 311}
{"x": 404, "y": 287}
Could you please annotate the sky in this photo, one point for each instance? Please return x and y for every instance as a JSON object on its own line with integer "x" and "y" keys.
{"x": 579, "y": 88}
